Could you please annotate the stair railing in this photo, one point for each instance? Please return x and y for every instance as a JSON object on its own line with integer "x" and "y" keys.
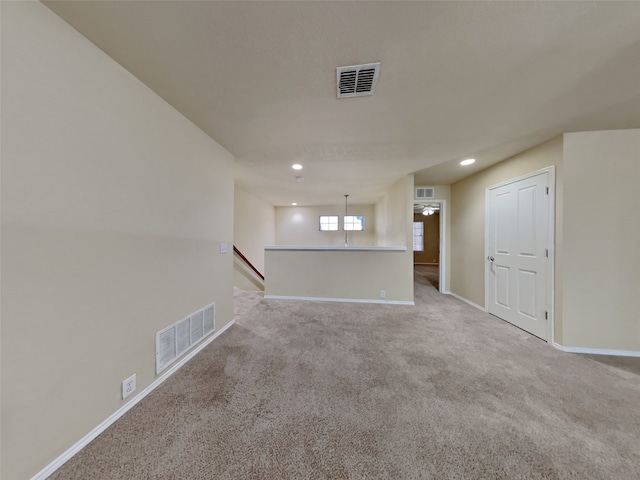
{"x": 247, "y": 262}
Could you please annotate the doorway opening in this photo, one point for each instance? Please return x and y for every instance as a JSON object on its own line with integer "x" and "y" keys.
{"x": 428, "y": 243}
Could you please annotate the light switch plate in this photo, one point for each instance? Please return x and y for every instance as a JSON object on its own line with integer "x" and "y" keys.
{"x": 224, "y": 248}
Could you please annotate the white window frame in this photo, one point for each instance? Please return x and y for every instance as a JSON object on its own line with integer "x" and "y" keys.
{"x": 419, "y": 235}
{"x": 349, "y": 223}
{"x": 329, "y": 223}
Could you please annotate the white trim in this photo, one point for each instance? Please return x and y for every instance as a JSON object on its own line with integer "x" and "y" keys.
{"x": 341, "y": 300}
{"x": 486, "y": 248}
{"x": 598, "y": 351}
{"x": 443, "y": 246}
{"x": 552, "y": 255}
{"x": 466, "y": 301}
{"x": 551, "y": 170}
{"x": 84, "y": 441}
{"x": 335, "y": 248}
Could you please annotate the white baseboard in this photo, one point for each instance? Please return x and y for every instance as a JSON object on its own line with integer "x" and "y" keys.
{"x": 84, "y": 441}
{"x": 466, "y": 301}
{"x": 597, "y": 351}
{"x": 343, "y": 300}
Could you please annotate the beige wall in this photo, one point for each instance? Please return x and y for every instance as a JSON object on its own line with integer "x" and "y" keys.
{"x": 113, "y": 210}
{"x": 602, "y": 238}
{"x": 394, "y": 216}
{"x": 466, "y": 274}
{"x": 253, "y": 228}
{"x": 394, "y": 226}
{"x": 350, "y": 274}
{"x": 300, "y": 226}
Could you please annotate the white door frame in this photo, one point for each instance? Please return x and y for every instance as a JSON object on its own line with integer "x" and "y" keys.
{"x": 442, "y": 267}
{"x": 551, "y": 242}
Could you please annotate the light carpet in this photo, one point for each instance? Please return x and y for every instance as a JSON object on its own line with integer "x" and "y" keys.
{"x": 441, "y": 390}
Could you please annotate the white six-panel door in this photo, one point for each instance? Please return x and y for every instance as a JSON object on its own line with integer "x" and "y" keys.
{"x": 518, "y": 252}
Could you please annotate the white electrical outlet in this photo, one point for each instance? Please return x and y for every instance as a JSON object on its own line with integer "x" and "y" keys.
{"x": 224, "y": 248}
{"x": 383, "y": 294}
{"x": 129, "y": 386}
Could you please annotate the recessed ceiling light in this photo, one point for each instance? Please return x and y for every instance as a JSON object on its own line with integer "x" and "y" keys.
{"x": 296, "y": 166}
{"x": 468, "y": 161}
{"x": 294, "y": 203}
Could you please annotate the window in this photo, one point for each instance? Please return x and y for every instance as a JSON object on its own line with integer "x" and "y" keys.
{"x": 328, "y": 223}
{"x": 418, "y": 236}
{"x": 354, "y": 222}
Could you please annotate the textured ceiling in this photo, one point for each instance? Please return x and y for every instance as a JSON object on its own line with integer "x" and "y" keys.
{"x": 457, "y": 79}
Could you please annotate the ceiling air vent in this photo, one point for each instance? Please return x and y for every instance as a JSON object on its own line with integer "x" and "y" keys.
{"x": 357, "y": 80}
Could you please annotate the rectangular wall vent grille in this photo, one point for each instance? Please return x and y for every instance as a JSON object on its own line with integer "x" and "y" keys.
{"x": 197, "y": 332}
{"x": 183, "y": 337}
{"x": 424, "y": 192}
{"x": 172, "y": 342}
{"x": 209, "y": 315}
{"x": 166, "y": 347}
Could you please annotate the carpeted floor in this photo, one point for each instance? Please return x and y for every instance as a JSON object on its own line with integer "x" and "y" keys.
{"x": 427, "y": 274}
{"x": 441, "y": 390}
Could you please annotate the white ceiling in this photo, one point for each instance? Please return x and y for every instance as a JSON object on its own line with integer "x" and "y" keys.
{"x": 457, "y": 79}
